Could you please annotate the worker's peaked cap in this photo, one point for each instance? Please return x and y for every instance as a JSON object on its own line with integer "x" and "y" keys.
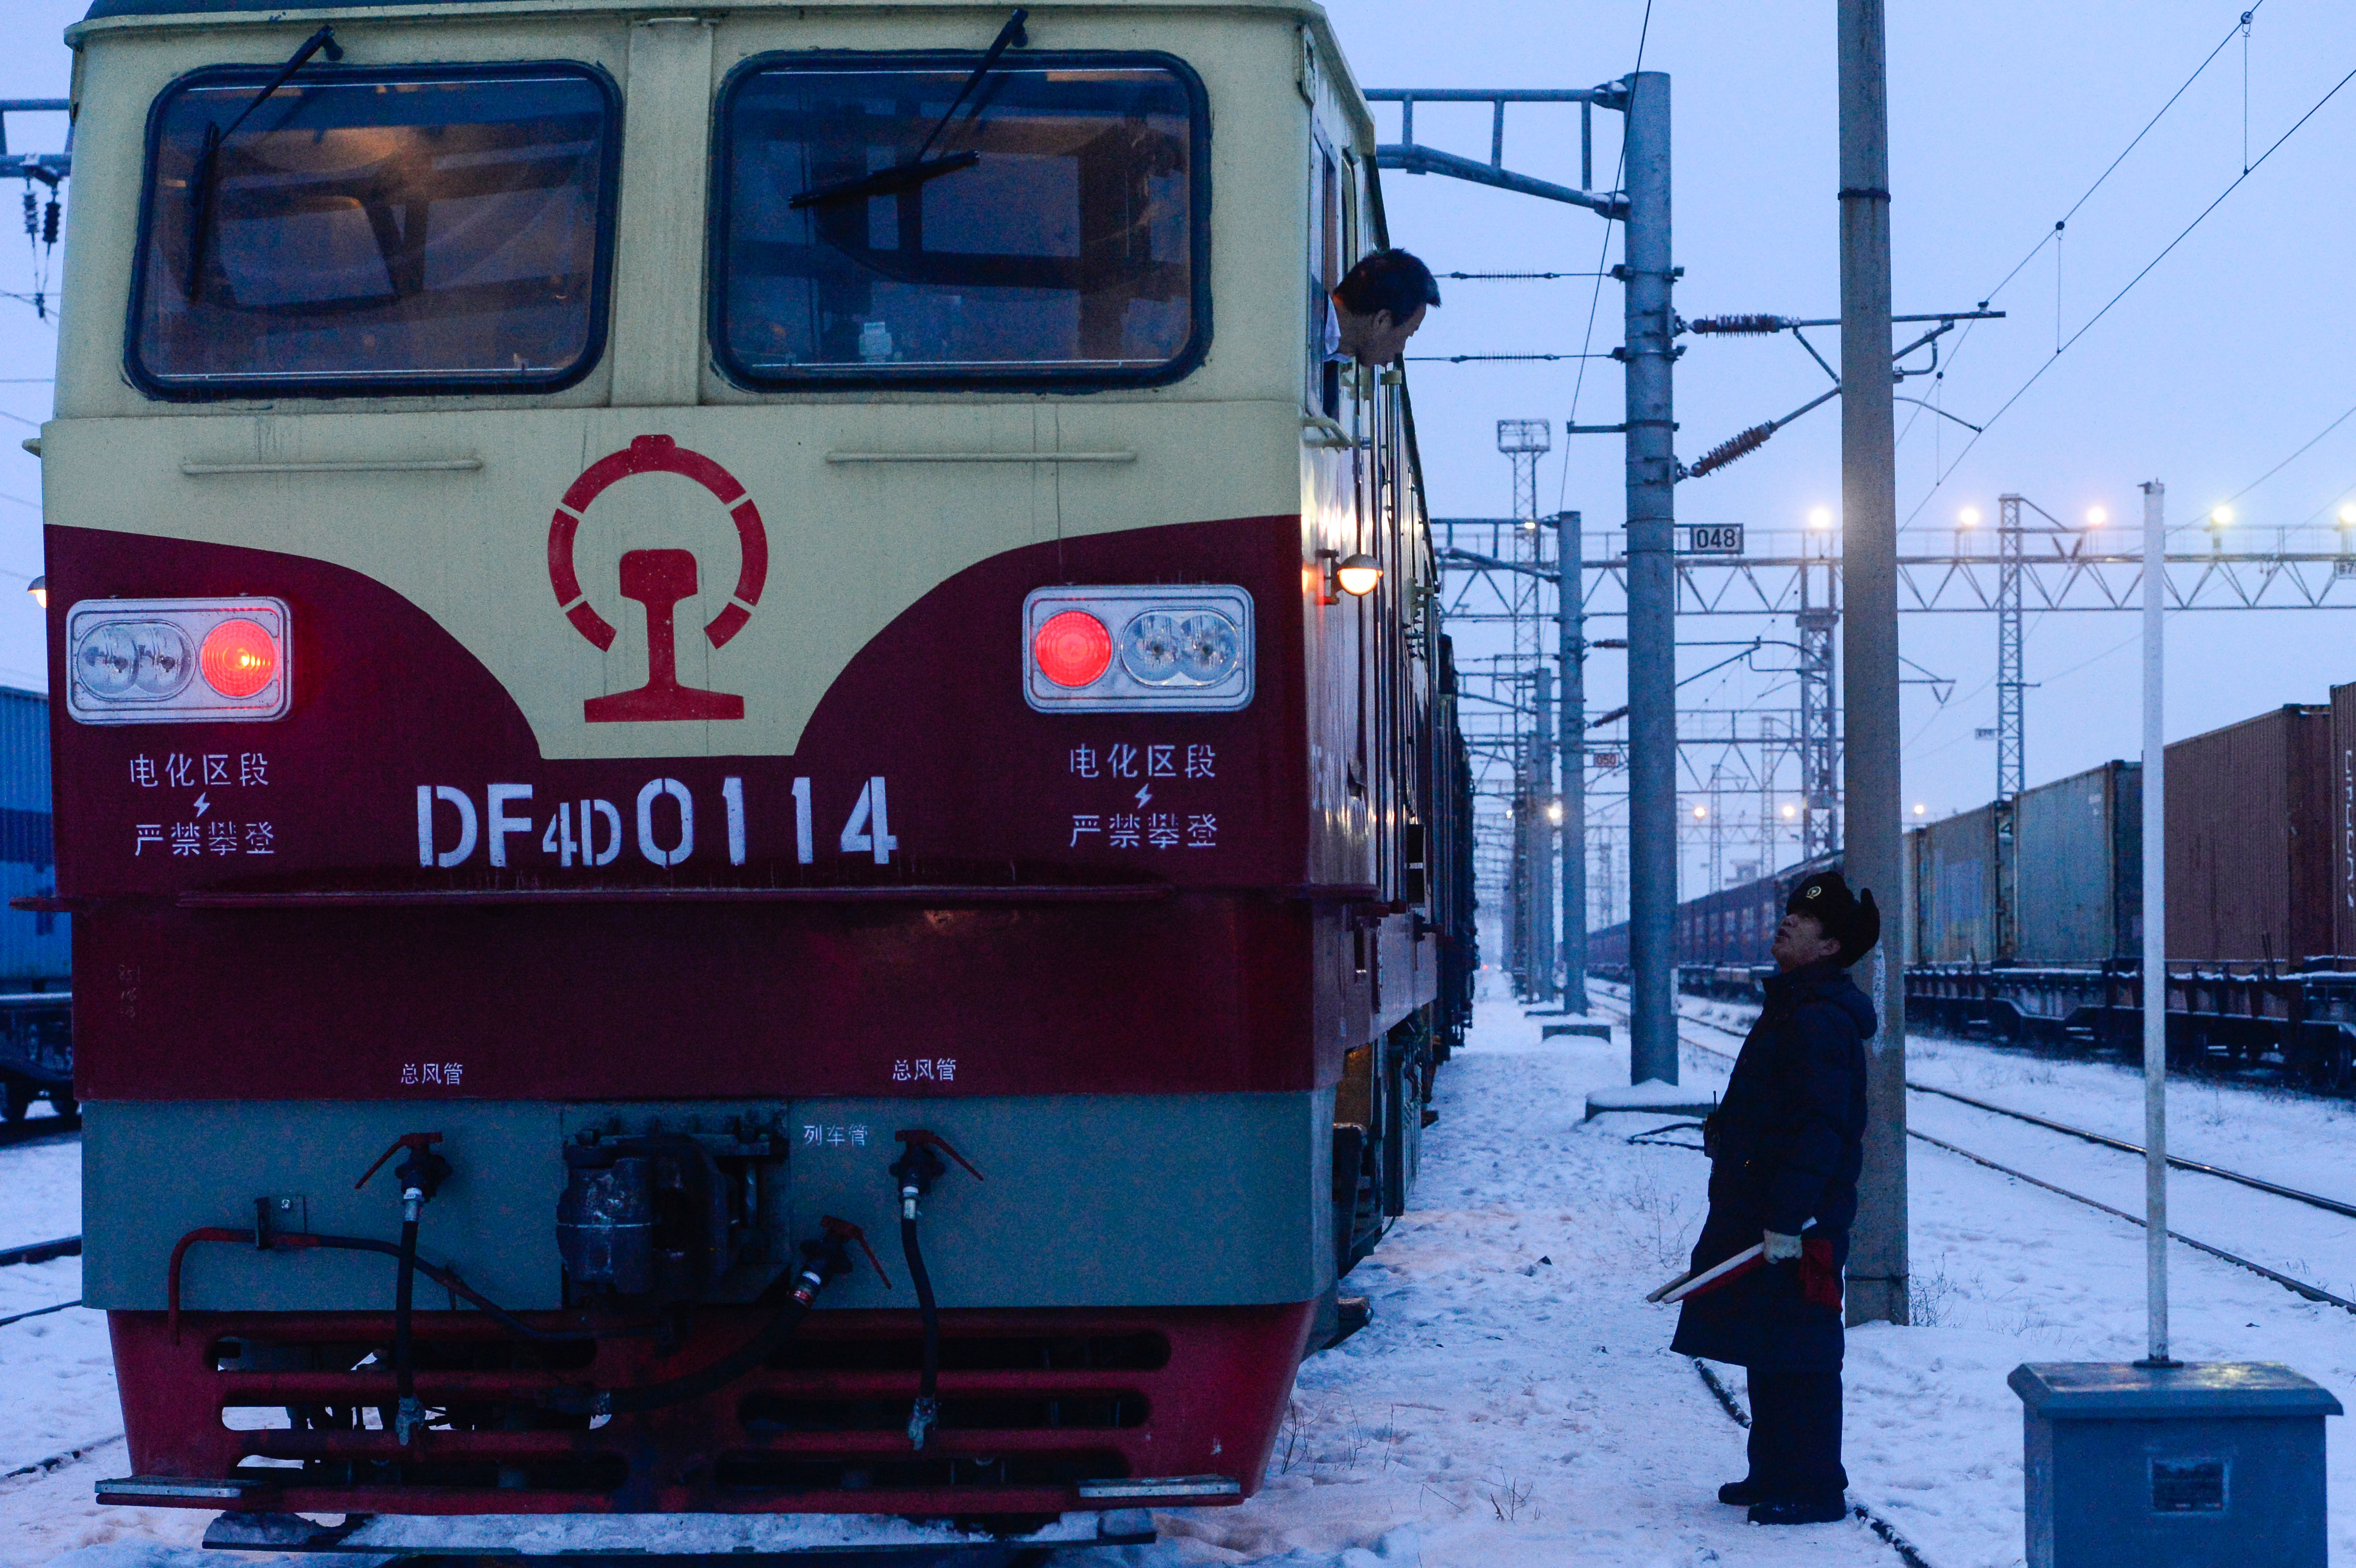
{"x": 1849, "y": 918}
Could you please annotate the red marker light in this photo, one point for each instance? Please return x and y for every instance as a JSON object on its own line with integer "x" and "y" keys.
{"x": 1073, "y": 648}
{"x": 237, "y": 659}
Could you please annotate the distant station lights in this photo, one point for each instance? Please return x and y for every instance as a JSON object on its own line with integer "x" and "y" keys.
{"x": 1820, "y": 518}
{"x": 39, "y": 588}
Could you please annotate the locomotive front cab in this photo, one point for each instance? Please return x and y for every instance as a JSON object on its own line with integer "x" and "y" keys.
{"x": 682, "y": 626}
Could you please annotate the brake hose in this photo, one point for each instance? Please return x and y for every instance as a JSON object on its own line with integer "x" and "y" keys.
{"x": 822, "y": 1260}
{"x": 410, "y": 1415}
{"x": 929, "y": 1405}
{"x": 448, "y": 1279}
{"x": 915, "y": 1170}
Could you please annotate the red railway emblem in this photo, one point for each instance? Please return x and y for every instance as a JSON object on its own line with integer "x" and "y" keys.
{"x": 658, "y": 579}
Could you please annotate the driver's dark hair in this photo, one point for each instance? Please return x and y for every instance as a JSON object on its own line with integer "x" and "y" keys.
{"x": 1395, "y": 281}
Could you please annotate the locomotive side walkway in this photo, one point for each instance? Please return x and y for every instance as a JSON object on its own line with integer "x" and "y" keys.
{"x": 1513, "y": 1402}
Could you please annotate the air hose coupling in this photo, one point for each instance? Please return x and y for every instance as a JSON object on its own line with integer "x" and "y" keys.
{"x": 918, "y": 1166}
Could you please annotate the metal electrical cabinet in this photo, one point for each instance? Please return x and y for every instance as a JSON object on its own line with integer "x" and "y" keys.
{"x": 2212, "y": 1464}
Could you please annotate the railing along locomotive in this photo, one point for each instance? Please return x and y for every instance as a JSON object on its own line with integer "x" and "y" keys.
{"x": 674, "y": 632}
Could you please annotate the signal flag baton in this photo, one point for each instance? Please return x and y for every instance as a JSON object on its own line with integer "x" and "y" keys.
{"x": 1696, "y": 1282}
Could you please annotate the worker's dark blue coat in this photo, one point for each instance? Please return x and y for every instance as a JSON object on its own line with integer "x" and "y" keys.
{"x": 1787, "y": 1144}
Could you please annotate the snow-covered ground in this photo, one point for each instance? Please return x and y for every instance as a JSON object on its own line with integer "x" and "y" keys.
{"x": 1514, "y": 1401}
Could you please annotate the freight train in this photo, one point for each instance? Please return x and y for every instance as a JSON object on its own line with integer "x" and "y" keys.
{"x": 2024, "y": 918}
{"x": 749, "y": 849}
{"x": 36, "y": 944}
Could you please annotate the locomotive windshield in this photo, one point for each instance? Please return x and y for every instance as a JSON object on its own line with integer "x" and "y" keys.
{"x": 1052, "y": 229}
{"x": 375, "y": 232}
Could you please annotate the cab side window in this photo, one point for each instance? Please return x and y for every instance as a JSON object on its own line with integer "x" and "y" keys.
{"x": 1324, "y": 391}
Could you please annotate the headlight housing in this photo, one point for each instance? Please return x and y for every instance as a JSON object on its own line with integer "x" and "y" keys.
{"x": 142, "y": 662}
{"x": 1138, "y": 649}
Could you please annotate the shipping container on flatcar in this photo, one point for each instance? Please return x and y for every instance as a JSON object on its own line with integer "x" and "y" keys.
{"x": 36, "y": 944}
{"x": 1956, "y": 873}
{"x": 723, "y": 635}
{"x": 2249, "y": 840}
{"x": 2343, "y": 820}
{"x": 2077, "y": 882}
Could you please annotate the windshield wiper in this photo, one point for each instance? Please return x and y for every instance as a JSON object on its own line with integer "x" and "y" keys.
{"x": 200, "y": 181}
{"x": 917, "y": 170}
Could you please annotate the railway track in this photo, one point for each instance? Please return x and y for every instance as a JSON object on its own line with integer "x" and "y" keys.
{"x": 34, "y": 1128}
{"x": 2299, "y": 1287}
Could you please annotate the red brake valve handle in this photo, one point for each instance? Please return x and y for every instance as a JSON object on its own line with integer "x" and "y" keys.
{"x": 918, "y": 1135}
{"x": 420, "y": 1141}
{"x": 844, "y": 1230}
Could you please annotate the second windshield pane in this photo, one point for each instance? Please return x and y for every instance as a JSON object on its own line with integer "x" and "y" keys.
{"x": 1048, "y": 230}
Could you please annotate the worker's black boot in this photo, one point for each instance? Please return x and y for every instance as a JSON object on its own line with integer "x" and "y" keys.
{"x": 1740, "y": 1494}
{"x": 1829, "y": 1509}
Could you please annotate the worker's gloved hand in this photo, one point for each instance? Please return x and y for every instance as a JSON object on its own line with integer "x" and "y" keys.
{"x": 1780, "y": 1249}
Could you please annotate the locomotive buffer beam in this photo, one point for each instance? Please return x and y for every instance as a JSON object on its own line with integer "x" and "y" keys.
{"x": 677, "y": 1535}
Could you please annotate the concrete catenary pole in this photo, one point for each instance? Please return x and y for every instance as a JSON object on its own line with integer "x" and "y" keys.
{"x": 1873, "y": 846}
{"x": 1570, "y": 628}
{"x": 1652, "y": 587}
{"x": 2155, "y": 923}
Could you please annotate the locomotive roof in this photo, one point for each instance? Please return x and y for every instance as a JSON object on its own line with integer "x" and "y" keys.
{"x": 102, "y": 10}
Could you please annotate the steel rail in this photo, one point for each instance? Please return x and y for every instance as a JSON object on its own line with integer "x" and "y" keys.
{"x": 2314, "y": 1200}
{"x": 2296, "y": 1286}
{"x": 39, "y": 1312}
{"x": 42, "y": 1252}
{"x": 59, "y": 1461}
{"x": 35, "y": 1128}
{"x": 2332, "y": 1204}
{"x": 1908, "y": 1552}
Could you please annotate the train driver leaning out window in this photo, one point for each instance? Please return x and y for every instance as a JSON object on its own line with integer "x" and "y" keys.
{"x": 1375, "y": 309}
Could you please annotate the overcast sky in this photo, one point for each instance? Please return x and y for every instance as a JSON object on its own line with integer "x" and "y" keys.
{"x": 2228, "y": 356}
{"x": 2232, "y": 354}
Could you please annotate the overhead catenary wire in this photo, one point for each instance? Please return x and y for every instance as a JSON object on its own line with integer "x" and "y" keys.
{"x": 2127, "y": 287}
{"x": 2053, "y": 235}
{"x": 1595, "y": 298}
{"x": 2349, "y": 412}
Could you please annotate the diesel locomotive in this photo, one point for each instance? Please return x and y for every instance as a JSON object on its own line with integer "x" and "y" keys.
{"x": 735, "y": 843}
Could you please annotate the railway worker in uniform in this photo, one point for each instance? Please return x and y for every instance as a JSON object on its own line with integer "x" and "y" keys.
{"x": 1785, "y": 1146}
{"x": 1377, "y": 307}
